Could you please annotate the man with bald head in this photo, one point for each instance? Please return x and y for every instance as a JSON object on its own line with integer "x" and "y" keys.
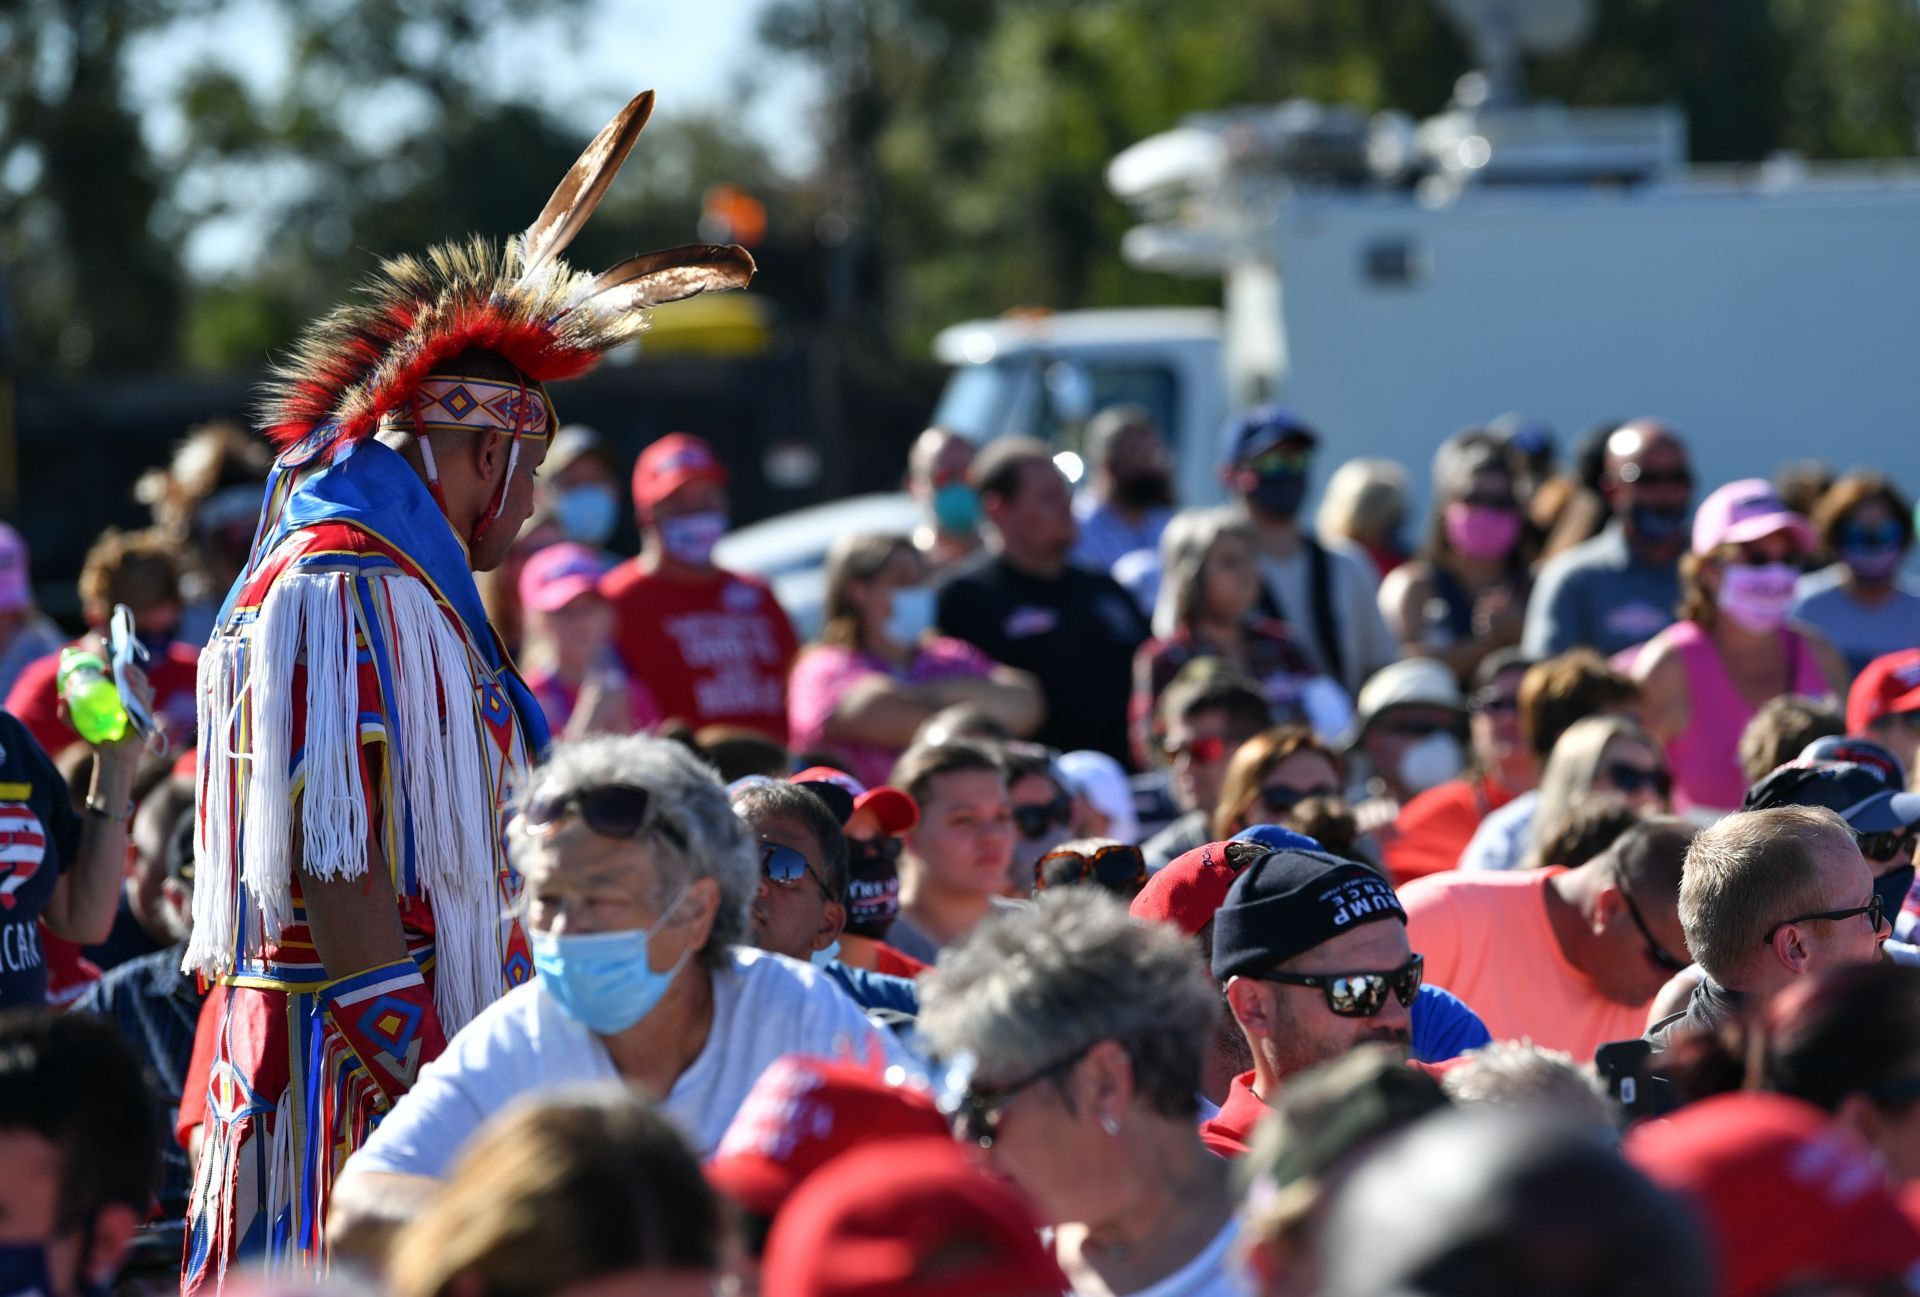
{"x": 1620, "y": 588}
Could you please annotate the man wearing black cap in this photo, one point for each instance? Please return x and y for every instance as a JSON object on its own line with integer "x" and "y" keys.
{"x": 1312, "y": 951}
{"x": 1325, "y": 593}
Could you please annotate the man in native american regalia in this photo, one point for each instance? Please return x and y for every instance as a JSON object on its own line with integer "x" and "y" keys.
{"x": 362, "y": 727}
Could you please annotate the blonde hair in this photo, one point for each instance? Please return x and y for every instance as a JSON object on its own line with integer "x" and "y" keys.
{"x": 556, "y": 1191}
{"x": 1568, "y": 778}
{"x": 1748, "y": 872}
{"x": 1365, "y": 499}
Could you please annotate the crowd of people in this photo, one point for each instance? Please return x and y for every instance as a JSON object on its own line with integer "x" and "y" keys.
{"x": 1117, "y": 895}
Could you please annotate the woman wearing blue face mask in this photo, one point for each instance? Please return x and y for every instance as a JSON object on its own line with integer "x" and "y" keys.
{"x": 879, "y": 670}
{"x": 1865, "y": 526}
{"x": 639, "y": 879}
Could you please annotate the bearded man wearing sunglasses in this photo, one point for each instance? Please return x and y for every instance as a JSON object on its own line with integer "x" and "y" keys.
{"x": 639, "y": 884}
{"x": 1313, "y": 953}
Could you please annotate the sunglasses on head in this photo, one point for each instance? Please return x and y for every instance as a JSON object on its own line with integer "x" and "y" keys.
{"x": 1281, "y": 799}
{"x": 1118, "y": 868}
{"x": 1201, "y": 750}
{"x": 1358, "y": 995}
{"x": 785, "y": 867}
{"x": 1631, "y": 779}
{"x": 1882, "y": 847}
{"x": 611, "y": 810}
{"x": 973, "y": 1114}
{"x": 1872, "y": 909}
{"x": 1034, "y": 820}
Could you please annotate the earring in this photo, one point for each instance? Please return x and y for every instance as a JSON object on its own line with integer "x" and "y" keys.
{"x": 1109, "y": 1123}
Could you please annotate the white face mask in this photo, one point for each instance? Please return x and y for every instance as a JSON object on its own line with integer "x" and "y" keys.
{"x": 1431, "y": 762}
{"x": 911, "y": 615}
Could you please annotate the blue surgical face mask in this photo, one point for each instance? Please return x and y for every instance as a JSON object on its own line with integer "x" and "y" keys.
{"x": 911, "y": 615}
{"x": 1654, "y": 526}
{"x": 956, "y": 509}
{"x": 821, "y": 958}
{"x": 690, "y": 538}
{"x": 602, "y": 980}
{"x": 588, "y": 514}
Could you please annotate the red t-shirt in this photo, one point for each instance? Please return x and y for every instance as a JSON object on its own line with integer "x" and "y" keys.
{"x": 1229, "y": 1132}
{"x": 896, "y": 962}
{"x": 712, "y": 652}
{"x": 1433, "y": 829}
{"x": 35, "y": 698}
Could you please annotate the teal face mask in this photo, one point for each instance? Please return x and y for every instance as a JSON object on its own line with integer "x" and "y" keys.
{"x": 602, "y": 980}
{"x": 956, "y": 508}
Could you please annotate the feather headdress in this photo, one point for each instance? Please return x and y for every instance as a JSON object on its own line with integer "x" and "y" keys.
{"x": 369, "y": 358}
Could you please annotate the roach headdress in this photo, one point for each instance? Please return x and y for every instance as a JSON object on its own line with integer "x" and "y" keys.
{"x": 370, "y": 359}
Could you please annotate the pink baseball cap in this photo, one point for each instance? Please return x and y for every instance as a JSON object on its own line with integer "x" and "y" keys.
{"x": 15, "y": 591}
{"x": 557, "y": 575}
{"x": 1742, "y": 511}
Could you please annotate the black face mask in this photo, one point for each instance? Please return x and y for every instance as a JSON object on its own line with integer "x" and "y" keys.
{"x": 1280, "y": 494}
{"x": 1892, "y": 889}
{"x": 873, "y": 887}
{"x": 1653, "y": 526}
{"x": 1142, "y": 490}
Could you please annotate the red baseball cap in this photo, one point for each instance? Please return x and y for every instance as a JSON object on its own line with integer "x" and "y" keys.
{"x": 1886, "y": 686}
{"x": 908, "y": 1218}
{"x": 804, "y": 1112}
{"x": 558, "y": 574}
{"x": 1191, "y": 887}
{"x": 669, "y": 464}
{"x": 893, "y": 807}
{"x": 1785, "y": 1192}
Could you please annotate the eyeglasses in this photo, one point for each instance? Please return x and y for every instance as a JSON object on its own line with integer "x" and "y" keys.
{"x": 1634, "y": 475}
{"x": 1631, "y": 779}
{"x": 1358, "y": 995}
{"x": 1882, "y": 847}
{"x": 1201, "y": 750}
{"x": 784, "y": 866}
{"x": 1034, "y": 819}
{"x": 1118, "y": 868}
{"x": 973, "y": 1114}
{"x": 1872, "y": 909}
{"x": 1493, "y": 702}
{"x": 611, "y": 810}
{"x": 1281, "y": 799}
{"x": 1655, "y": 951}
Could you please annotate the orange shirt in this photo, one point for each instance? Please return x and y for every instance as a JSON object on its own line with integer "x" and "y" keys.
{"x": 1433, "y": 829}
{"x": 1487, "y": 938}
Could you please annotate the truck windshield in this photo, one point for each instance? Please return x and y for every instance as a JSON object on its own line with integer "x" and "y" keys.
{"x": 1007, "y": 398}
{"x": 977, "y": 398}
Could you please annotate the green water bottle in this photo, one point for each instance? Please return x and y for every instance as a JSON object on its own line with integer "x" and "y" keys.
{"x": 93, "y": 700}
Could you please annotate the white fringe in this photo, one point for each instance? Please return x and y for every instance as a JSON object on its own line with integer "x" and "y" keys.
{"x": 443, "y": 778}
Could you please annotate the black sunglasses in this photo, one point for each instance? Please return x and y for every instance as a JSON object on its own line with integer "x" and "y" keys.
{"x": 1655, "y": 951}
{"x": 1359, "y": 995}
{"x": 1034, "y": 820}
{"x": 972, "y": 1115}
{"x": 1281, "y": 799}
{"x": 1872, "y": 909}
{"x": 786, "y": 867}
{"x": 1631, "y": 779}
{"x": 881, "y": 850}
{"x": 611, "y": 810}
{"x": 1882, "y": 847}
{"x": 1634, "y": 475}
{"x": 1118, "y": 868}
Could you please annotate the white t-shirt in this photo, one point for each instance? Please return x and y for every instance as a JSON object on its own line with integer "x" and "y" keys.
{"x": 1213, "y": 1272}
{"x": 764, "y": 1006}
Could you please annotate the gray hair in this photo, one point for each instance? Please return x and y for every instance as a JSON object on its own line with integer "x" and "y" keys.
{"x": 1189, "y": 537}
{"x": 762, "y": 799}
{"x": 1521, "y": 1074}
{"x": 1031, "y": 986}
{"x": 687, "y": 794}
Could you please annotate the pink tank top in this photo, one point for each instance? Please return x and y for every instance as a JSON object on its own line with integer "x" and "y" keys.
{"x": 1705, "y": 765}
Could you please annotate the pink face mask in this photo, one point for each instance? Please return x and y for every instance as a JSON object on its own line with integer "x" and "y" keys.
{"x": 1757, "y": 595}
{"x": 1482, "y": 531}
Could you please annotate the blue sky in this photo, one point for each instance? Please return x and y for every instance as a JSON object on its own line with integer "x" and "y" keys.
{"x": 695, "y": 53}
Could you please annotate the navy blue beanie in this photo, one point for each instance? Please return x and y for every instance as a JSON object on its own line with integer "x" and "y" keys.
{"x": 1289, "y": 901}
